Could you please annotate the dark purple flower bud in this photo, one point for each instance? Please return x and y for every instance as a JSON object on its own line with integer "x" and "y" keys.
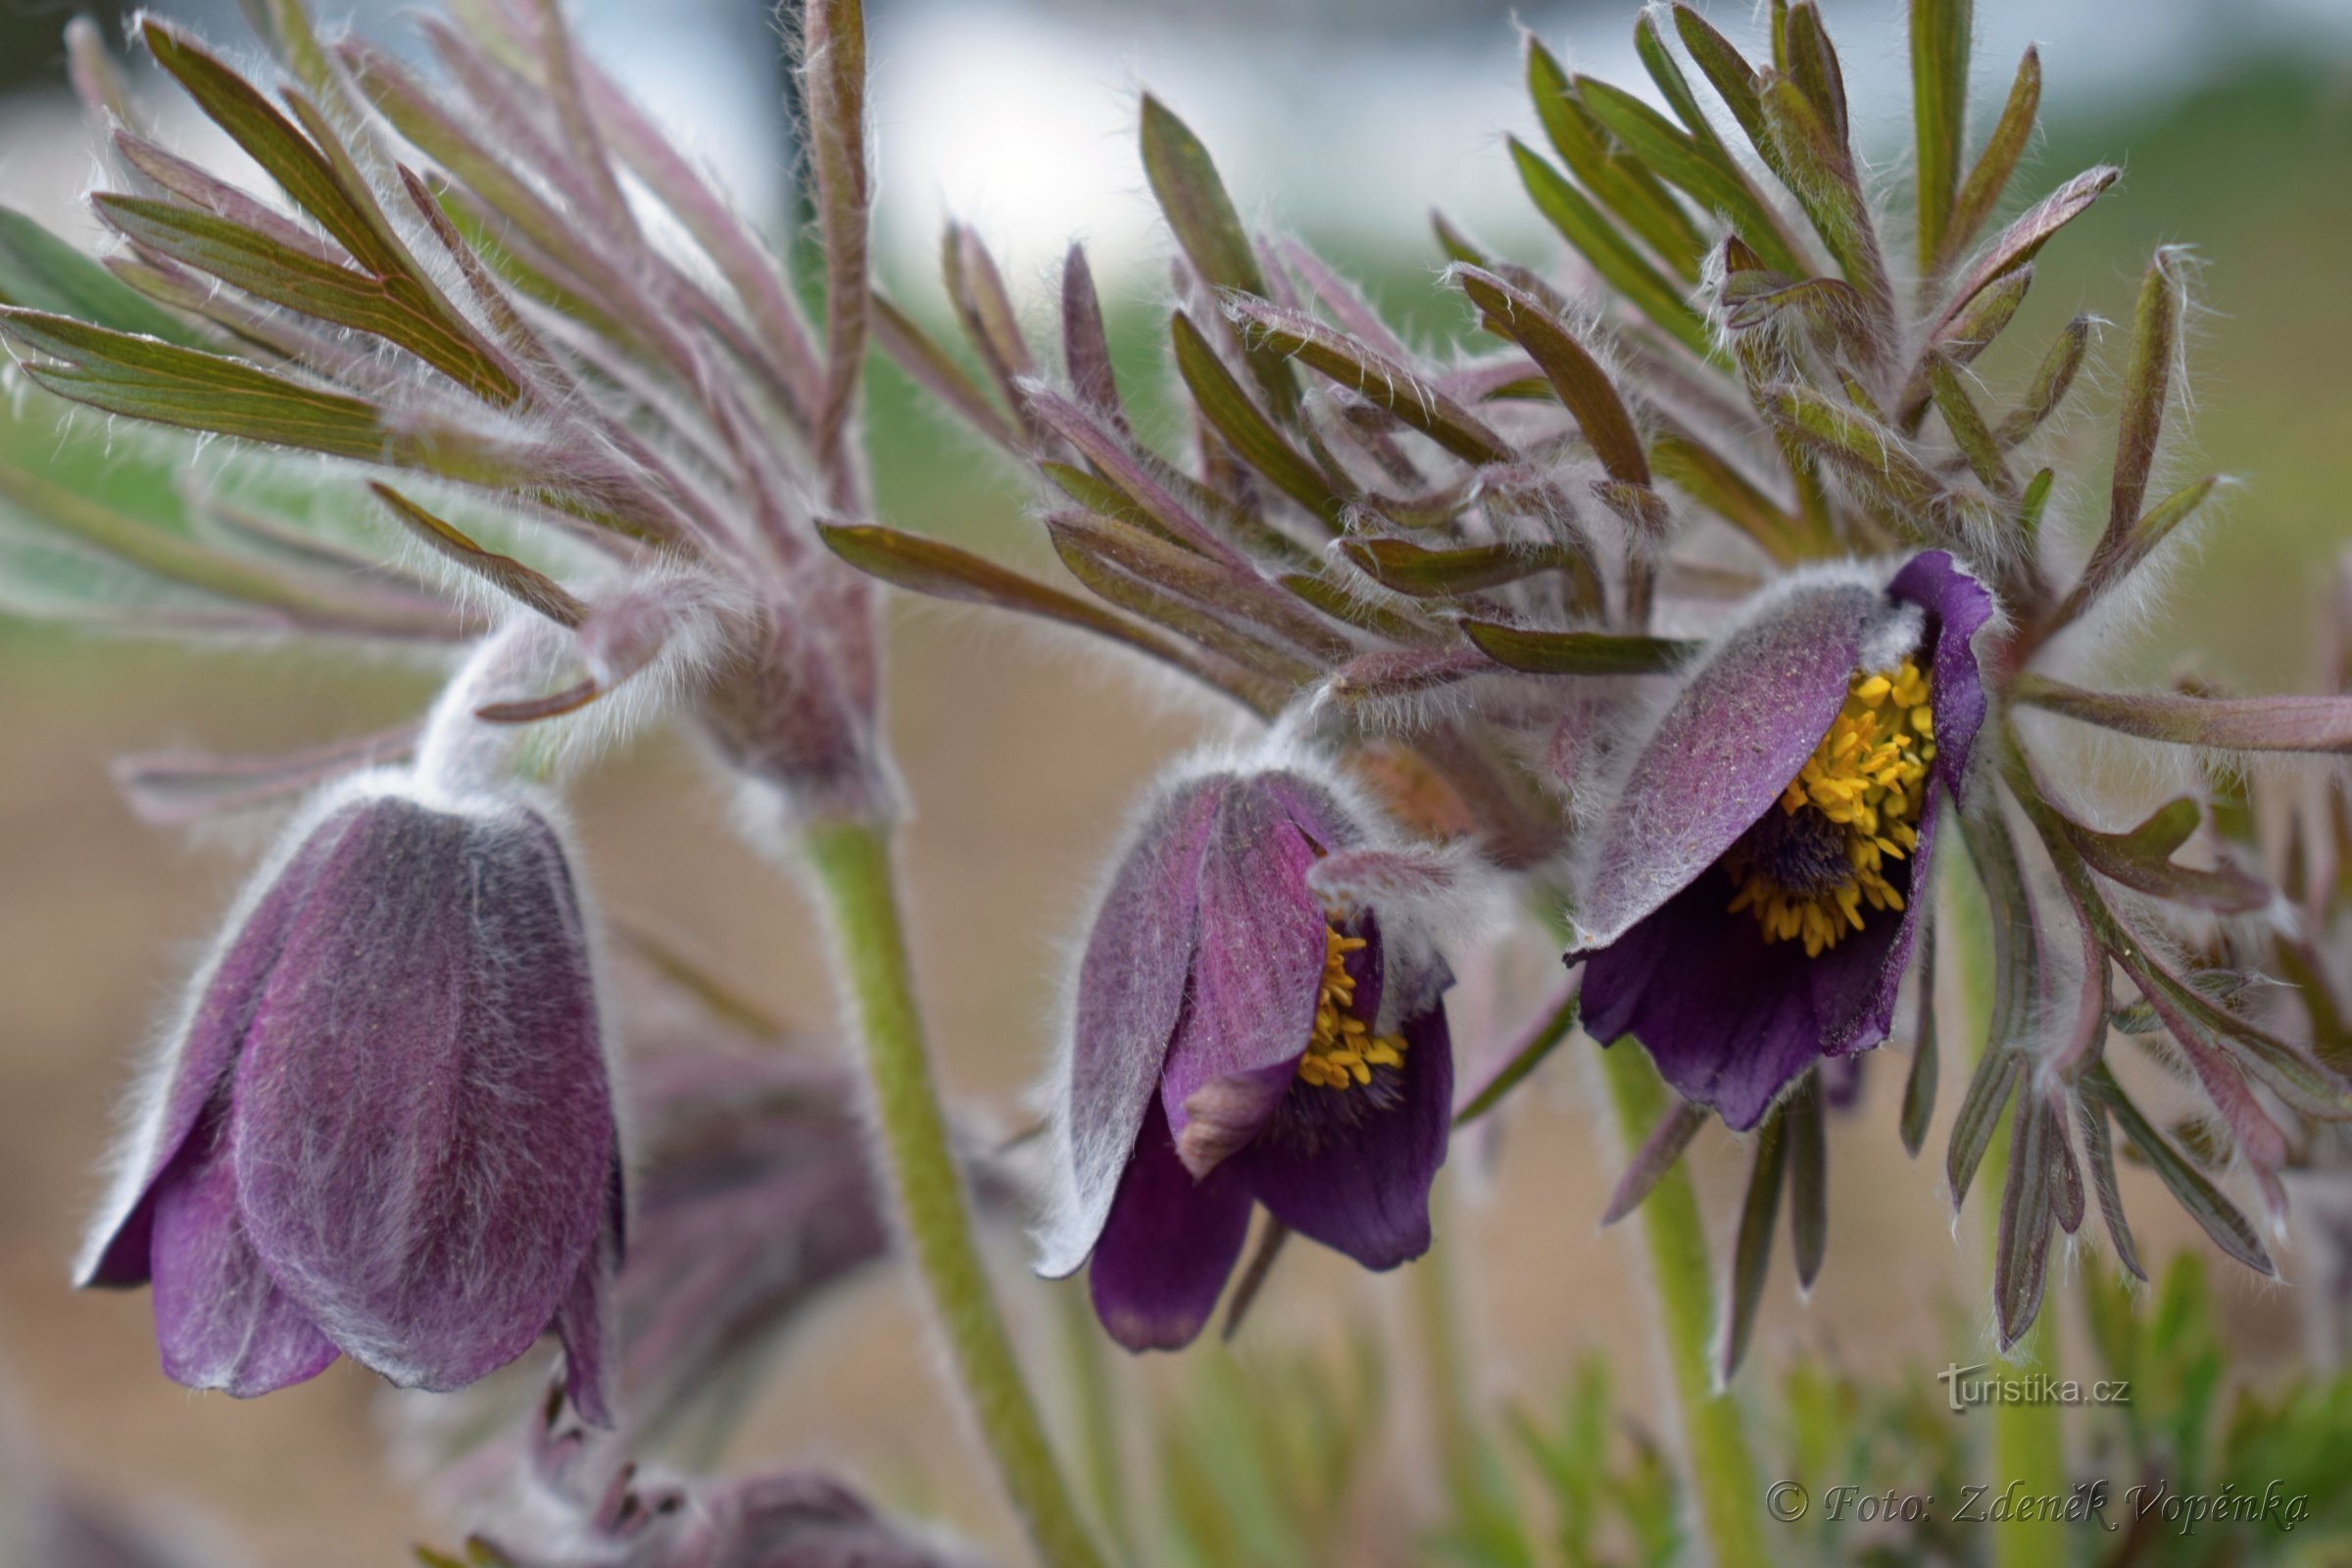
{"x": 1750, "y": 906}
{"x": 1248, "y": 1032}
{"x": 385, "y": 1127}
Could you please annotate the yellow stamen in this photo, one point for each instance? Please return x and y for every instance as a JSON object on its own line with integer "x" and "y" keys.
{"x": 1342, "y": 1050}
{"x": 1868, "y": 776}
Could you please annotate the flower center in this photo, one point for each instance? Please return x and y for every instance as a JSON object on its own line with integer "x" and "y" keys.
{"x": 1343, "y": 1050}
{"x": 1807, "y": 870}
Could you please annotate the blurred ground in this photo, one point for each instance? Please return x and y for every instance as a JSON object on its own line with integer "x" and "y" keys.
{"x": 1022, "y": 756}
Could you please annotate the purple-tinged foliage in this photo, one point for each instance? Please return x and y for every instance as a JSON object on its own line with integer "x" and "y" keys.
{"x": 1244, "y": 1036}
{"x": 385, "y": 1127}
{"x": 1731, "y": 1010}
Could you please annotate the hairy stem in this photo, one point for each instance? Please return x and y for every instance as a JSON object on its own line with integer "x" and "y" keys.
{"x": 851, "y": 866}
{"x": 2027, "y": 1447}
{"x": 1723, "y": 1471}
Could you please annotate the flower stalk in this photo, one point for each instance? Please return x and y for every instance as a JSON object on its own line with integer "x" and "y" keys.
{"x": 1727, "y": 1491}
{"x": 851, "y": 866}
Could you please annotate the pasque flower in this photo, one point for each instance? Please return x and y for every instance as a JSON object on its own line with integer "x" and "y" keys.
{"x": 1749, "y": 906}
{"x": 383, "y": 1127}
{"x": 1250, "y": 1028}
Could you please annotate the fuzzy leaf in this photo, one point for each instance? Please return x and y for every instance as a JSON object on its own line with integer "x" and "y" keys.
{"x": 932, "y": 368}
{"x": 1751, "y": 1253}
{"x": 1707, "y": 174}
{"x": 533, "y": 590}
{"x": 1549, "y": 1029}
{"x": 1577, "y": 653}
{"x": 1979, "y": 1117}
{"x": 1921, "y": 1084}
{"x": 392, "y": 308}
{"x": 1405, "y": 567}
{"x": 1808, "y": 1180}
{"x": 1222, "y": 402}
{"x": 1822, "y": 178}
{"x": 2049, "y": 385}
{"x": 2224, "y": 723}
{"x": 2141, "y": 858}
{"x": 1184, "y": 183}
{"x": 1597, "y": 239}
{"x": 38, "y": 271}
{"x": 2098, "y": 1147}
{"x": 2003, "y": 150}
{"x": 1583, "y": 385}
{"x": 1384, "y": 381}
{"x": 1732, "y": 78}
{"x": 1622, "y": 184}
{"x": 1085, "y": 342}
{"x": 1715, "y": 484}
{"x": 2022, "y": 1244}
{"x": 2024, "y": 239}
{"x": 1940, "y": 51}
{"x": 2221, "y": 1219}
{"x": 1658, "y": 1155}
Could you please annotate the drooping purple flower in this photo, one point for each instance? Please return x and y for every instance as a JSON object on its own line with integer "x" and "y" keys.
{"x": 385, "y": 1127}
{"x": 1248, "y": 1030}
{"x": 1750, "y": 905}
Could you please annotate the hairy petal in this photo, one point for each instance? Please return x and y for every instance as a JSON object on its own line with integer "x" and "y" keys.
{"x": 1742, "y": 726}
{"x": 1130, "y": 990}
{"x": 422, "y": 1131}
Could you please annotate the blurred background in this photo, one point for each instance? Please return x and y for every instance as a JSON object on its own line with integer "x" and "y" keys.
{"x": 1343, "y": 120}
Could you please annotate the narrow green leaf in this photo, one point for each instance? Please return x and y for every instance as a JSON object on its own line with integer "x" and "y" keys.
{"x": 1549, "y": 1030}
{"x": 1966, "y": 428}
{"x": 2027, "y": 1227}
{"x": 1222, "y": 401}
{"x": 392, "y": 308}
{"x": 1191, "y": 194}
{"x": 1286, "y": 333}
{"x": 1823, "y": 180}
{"x": 2024, "y": 239}
{"x": 1979, "y": 1115}
{"x": 2147, "y": 387}
{"x": 1728, "y": 71}
{"x": 1597, "y": 239}
{"x": 1994, "y": 168}
{"x": 1402, "y": 567}
{"x": 833, "y": 91}
{"x": 1926, "y": 1068}
{"x": 2224, "y": 723}
{"x": 2050, "y": 384}
{"x": 931, "y": 367}
{"x": 2221, "y": 1219}
{"x": 533, "y": 590}
{"x": 38, "y": 271}
{"x": 1808, "y": 1180}
{"x": 942, "y": 571}
{"x": 1721, "y": 489}
{"x": 1751, "y": 1251}
{"x": 1709, "y": 176}
{"x": 1939, "y": 54}
{"x": 1583, "y": 385}
{"x": 1577, "y": 653}
{"x": 1655, "y": 1157}
{"x": 1622, "y": 184}
{"x": 2111, "y": 563}
{"x": 2098, "y": 1147}
{"x": 1813, "y": 67}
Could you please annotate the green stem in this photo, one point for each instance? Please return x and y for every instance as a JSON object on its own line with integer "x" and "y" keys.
{"x": 851, "y": 863}
{"x": 2028, "y": 1446}
{"x": 1723, "y": 1471}
{"x": 1103, "y": 1452}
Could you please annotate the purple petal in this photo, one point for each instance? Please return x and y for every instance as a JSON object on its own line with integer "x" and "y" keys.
{"x": 1258, "y": 965}
{"x": 202, "y": 1055}
{"x": 422, "y": 1127}
{"x": 1361, "y": 1186}
{"x": 1729, "y": 1017}
{"x": 1958, "y": 607}
{"x": 1747, "y": 719}
{"x": 219, "y": 1320}
{"x": 1168, "y": 1246}
{"x": 1131, "y": 987}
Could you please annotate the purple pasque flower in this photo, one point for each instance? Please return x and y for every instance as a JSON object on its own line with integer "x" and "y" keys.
{"x": 384, "y": 1126}
{"x": 1748, "y": 909}
{"x": 1249, "y": 1028}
